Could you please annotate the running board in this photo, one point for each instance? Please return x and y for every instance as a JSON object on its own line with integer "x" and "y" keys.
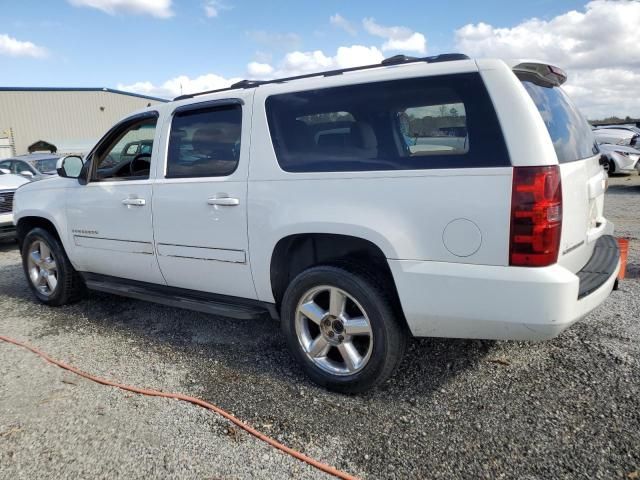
{"x": 232, "y": 307}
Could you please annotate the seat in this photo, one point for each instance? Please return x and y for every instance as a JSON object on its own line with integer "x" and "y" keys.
{"x": 363, "y": 138}
{"x": 359, "y": 143}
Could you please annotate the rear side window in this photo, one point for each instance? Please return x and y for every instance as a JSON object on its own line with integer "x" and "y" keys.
{"x": 205, "y": 143}
{"x": 419, "y": 123}
{"x": 570, "y": 132}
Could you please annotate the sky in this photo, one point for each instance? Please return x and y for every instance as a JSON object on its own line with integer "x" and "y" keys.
{"x": 168, "y": 47}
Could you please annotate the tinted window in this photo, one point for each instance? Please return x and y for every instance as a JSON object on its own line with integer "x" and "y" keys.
{"x": 571, "y": 134}
{"x": 205, "y": 143}
{"x": 434, "y": 122}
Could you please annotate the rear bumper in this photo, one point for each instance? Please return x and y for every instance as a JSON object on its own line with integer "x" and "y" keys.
{"x": 7, "y": 229}
{"x": 492, "y": 302}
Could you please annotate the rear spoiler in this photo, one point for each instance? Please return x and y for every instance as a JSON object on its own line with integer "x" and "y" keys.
{"x": 543, "y": 71}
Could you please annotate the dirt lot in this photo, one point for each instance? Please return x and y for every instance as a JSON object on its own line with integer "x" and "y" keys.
{"x": 567, "y": 408}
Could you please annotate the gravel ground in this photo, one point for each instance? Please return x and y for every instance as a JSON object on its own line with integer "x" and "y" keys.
{"x": 567, "y": 408}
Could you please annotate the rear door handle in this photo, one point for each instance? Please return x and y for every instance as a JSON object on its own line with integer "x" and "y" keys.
{"x": 224, "y": 201}
{"x": 134, "y": 202}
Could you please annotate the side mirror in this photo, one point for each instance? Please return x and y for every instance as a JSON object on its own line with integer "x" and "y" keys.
{"x": 5, "y": 171}
{"x": 69, "y": 167}
{"x": 26, "y": 173}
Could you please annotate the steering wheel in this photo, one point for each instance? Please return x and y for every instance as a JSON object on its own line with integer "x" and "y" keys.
{"x": 108, "y": 162}
{"x": 144, "y": 164}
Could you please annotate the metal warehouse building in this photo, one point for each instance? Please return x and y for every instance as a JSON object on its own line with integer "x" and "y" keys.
{"x": 71, "y": 120}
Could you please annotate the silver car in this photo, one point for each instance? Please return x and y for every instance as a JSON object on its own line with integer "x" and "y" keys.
{"x": 619, "y": 158}
{"x": 35, "y": 166}
{"x": 619, "y": 135}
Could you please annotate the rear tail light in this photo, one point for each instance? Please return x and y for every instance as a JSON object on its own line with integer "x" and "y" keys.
{"x": 536, "y": 216}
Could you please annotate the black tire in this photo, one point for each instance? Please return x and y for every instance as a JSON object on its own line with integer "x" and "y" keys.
{"x": 70, "y": 287}
{"x": 389, "y": 334}
{"x": 612, "y": 167}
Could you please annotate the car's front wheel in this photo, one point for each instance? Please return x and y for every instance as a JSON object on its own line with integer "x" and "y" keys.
{"x": 342, "y": 329}
{"x": 610, "y": 167}
{"x": 51, "y": 277}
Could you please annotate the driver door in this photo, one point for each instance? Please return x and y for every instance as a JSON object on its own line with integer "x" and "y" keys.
{"x": 110, "y": 217}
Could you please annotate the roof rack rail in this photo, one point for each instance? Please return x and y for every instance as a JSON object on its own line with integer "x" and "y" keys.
{"x": 247, "y": 84}
{"x": 395, "y": 60}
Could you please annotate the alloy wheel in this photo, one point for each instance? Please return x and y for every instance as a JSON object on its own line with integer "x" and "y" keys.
{"x": 334, "y": 330}
{"x": 43, "y": 271}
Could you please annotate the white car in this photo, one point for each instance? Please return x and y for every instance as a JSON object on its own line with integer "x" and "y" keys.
{"x": 616, "y": 136}
{"x": 619, "y": 158}
{"x": 306, "y": 199}
{"x": 34, "y": 166}
{"x": 8, "y": 185}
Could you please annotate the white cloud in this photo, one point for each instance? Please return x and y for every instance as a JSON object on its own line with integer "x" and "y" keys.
{"x": 259, "y": 70}
{"x": 155, "y": 8}
{"x": 179, "y": 85}
{"x": 339, "y": 21}
{"x": 597, "y": 47}
{"x": 299, "y": 63}
{"x": 212, "y": 8}
{"x": 18, "y": 48}
{"x": 397, "y": 38}
{"x": 605, "y": 92}
{"x": 294, "y": 63}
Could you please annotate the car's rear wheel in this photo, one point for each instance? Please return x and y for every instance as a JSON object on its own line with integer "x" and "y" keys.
{"x": 51, "y": 277}
{"x": 342, "y": 329}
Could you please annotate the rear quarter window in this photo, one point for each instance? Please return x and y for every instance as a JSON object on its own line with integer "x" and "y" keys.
{"x": 419, "y": 123}
{"x": 570, "y": 132}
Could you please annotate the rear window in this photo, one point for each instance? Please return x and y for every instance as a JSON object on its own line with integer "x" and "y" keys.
{"x": 420, "y": 123}
{"x": 569, "y": 130}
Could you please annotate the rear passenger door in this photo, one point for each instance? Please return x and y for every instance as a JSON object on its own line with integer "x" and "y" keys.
{"x": 200, "y": 198}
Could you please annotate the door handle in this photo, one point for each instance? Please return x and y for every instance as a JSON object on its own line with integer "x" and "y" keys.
{"x": 224, "y": 201}
{"x": 134, "y": 202}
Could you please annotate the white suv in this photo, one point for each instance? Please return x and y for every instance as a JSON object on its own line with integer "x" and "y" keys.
{"x": 440, "y": 196}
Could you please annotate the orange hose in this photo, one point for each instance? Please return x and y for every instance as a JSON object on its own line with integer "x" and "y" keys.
{"x": 196, "y": 401}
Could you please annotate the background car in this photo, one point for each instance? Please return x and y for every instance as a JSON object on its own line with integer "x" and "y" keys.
{"x": 35, "y": 166}
{"x": 631, "y": 128}
{"x": 619, "y": 158}
{"x": 617, "y": 136}
{"x": 8, "y": 185}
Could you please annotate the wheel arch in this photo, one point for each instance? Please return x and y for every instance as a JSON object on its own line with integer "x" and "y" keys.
{"x": 27, "y": 223}
{"x": 297, "y": 252}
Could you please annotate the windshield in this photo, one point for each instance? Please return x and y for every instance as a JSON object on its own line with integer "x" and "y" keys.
{"x": 45, "y": 166}
{"x": 569, "y": 130}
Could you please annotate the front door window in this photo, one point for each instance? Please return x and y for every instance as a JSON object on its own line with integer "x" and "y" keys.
{"x": 115, "y": 160}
